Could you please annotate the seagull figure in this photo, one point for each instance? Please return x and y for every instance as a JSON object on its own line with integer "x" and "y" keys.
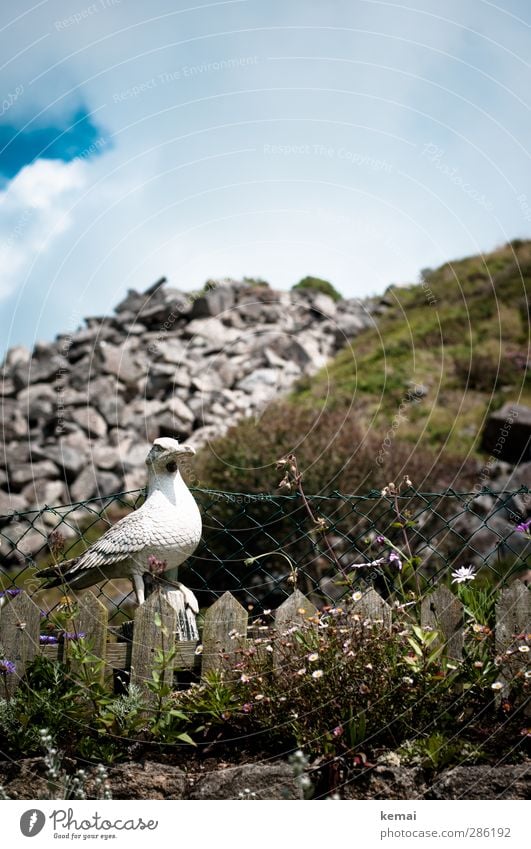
{"x": 159, "y": 536}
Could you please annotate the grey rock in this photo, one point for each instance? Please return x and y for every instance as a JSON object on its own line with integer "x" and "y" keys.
{"x": 69, "y": 453}
{"x": 503, "y": 781}
{"x": 347, "y": 326}
{"x": 120, "y": 361}
{"x": 179, "y": 409}
{"x": 147, "y": 781}
{"x": 258, "y": 379}
{"x": 105, "y": 457}
{"x": 41, "y": 492}
{"x": 251, "y": 781}
{"x": 507, "y": 433}
{"x": 212, "y": 331}
{"x": 90, "y": 420}
{"x": 217, "y": 301}
{"x": 94, "y": 482}
{"x": 7, "y": 386}
{"x": 11, "y": 503}
{"x": 169, "y": 350}
{"x": 17, "y": 356}
{"x": 324, "y": 306}
{"x": 21, "y": 473}
{"x": 388, "y": 782}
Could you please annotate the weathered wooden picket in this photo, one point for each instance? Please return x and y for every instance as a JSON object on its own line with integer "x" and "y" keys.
{"x": 225, "y": 630}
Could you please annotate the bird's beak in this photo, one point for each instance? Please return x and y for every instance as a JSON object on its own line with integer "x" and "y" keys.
{"x": 184, "y": 449}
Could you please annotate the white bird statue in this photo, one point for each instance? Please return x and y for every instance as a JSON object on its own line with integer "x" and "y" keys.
{"x": 157, "y": 537}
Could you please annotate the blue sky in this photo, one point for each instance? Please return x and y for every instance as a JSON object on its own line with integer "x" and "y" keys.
{"x": 358, "y": 141}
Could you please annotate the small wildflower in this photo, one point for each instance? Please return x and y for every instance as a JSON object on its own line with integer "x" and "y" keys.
{"x": 7, "y": 667}
{"x": 313, "y": 657}
{"x": 267, "y": 612}
{"x": 46, "y": 639}
{"x": 497, "y": 685}
{"x": 523, "y": 648}
{"x": 244, "y": 678}
{"x": 72, "y": 635}
{"x": 247, "y": 708}
{"x": 259, "y": 697}
{"x": 528, "y": 674}
{"x": 407, "y": 680}
{"x": 357, "y": 596}
{"x": 380, "y": 539}
{"x": 199, "y": 649}
{"x": 269, "y": 648}
{"x": 478, "y": 664}
{"x": 523, "y": 527}
{"x": 394, "y": 558}
{"x": 317, "y": 674}
{"x": 10, "y": 593}
{"x": 338, "y": 731}
{"x": 301, "y": 671}
{"x": 463, "y": 574}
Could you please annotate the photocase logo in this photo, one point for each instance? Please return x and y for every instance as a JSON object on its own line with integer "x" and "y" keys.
{"x": 32, "y": 822}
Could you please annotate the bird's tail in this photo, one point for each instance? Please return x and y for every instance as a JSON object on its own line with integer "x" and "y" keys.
{"x": 56, "y": 575}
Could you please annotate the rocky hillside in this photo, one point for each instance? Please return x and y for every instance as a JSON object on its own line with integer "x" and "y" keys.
{"x": 77, "y": 413}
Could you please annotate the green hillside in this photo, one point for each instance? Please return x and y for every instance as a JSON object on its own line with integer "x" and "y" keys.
{"x": 463, "y": 334}
{"x": 460, "y": 338}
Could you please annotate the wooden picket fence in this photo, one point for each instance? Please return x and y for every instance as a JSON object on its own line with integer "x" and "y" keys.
{"x": 225, "y": 631}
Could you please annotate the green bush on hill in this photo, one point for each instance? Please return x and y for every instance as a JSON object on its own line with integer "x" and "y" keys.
{"x": 317, "y": 285}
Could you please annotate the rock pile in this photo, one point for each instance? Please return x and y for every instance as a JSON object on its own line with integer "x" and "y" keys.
{"x": 77, "y": 414}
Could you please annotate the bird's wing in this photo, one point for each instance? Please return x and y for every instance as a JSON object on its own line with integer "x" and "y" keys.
{"x": 128, "y": 537}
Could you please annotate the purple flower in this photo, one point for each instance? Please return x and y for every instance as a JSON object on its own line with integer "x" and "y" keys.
{"x": 380, "y": 539}
{"x": 394, "y": 558}
{"x": 247, "y": 708}
{"x": 46, "y": 639}
{"x": 7, "y": 667}
{"x": 338, "y": 731}
{"x": 11, "y": 593}
{"x": 524, "y": 526}
{"x": 72, "y": 636}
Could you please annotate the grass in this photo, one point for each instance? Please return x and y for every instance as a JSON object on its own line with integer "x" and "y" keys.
{"x": 462, "y": 333}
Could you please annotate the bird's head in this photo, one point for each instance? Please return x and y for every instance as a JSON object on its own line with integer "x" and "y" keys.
{"x": 166, "y": 455}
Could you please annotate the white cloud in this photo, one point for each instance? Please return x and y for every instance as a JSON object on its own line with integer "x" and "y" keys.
{"x": 33, "y": 211}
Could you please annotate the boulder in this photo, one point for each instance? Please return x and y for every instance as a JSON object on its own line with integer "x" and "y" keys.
{"x": 11, "y": 503}
{"x": 212, "y": 303}
{"x": 507, "y": 433}
{"x": 258, "y": 781}
{"x": 90, "y": 420}
{"x": 119, "y": 360}
{"x": 41, "y": 492}
{"x": 212, "y": 331}
{"x": 21, "y": 473}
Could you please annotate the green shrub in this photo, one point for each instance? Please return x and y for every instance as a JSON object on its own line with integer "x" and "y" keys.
{"x": 315, "y": 284}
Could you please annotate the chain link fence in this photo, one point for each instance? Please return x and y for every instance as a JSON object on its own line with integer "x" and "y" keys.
{"x": 259, "y": 546}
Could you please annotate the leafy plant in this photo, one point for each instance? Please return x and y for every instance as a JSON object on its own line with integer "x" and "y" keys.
{"x": 316, "y": 284}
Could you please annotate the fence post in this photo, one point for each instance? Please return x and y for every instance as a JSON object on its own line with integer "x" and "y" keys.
{"x": 296, "y": 610}
{"x": 91, "y": 619}
{"x": 372, "y": 606}
{"x": 154, "y": 628}
{"x": 19, "y": 637}
{"x": 442, "y": 611}
{"x": 513, "y": 615}
{"x": 225, "y": 620}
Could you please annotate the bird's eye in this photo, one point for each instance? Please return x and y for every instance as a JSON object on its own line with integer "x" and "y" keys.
{"x": 171, "y": 467}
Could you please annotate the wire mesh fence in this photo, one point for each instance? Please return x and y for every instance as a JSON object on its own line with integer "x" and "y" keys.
{"x": 259, "y": 546}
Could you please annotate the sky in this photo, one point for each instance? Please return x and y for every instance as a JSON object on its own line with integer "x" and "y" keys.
{"x": 355, "y": 140}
